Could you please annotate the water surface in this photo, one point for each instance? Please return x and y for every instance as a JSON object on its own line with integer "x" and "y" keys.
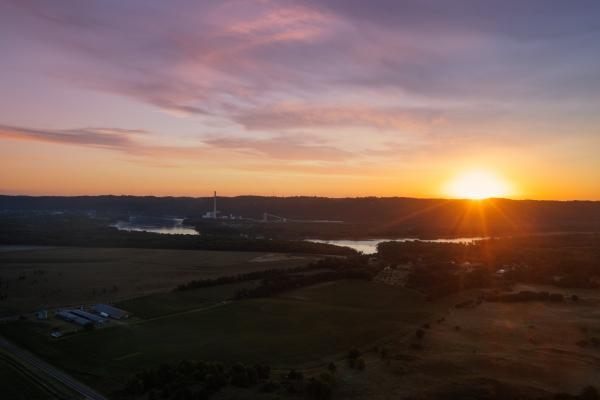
{"x": 369, "y": 246}
{"x": 169, "y": 226}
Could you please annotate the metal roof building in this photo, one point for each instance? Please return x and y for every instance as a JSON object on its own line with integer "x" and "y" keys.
{"x": 113, "y": 312}
{"x": 92, "y": 317}
{"x": 67, "y": 315}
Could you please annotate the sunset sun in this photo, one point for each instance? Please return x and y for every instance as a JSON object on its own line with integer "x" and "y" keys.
{"x": 477, "y": 185}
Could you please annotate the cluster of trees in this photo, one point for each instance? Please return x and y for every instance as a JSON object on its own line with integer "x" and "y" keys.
{"x": 333, "y": 269}
{"x": 355, "y": 360}
{"x": 249, "y": 276}
{"x": 80, "y": 230}
{"x": 191, "y": 380}
{"x": 439, "y": 279}
{"x": 3, "y": 296}
{"x": 283, "y": 283}
{"x": 525, "y": 295}
{"x": 587, "y": 393}
{"x": 572, "y": 258}
{"x": 278, "y": 280}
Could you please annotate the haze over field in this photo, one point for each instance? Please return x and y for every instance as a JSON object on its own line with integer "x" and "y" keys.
{"x": 332, "y": 98}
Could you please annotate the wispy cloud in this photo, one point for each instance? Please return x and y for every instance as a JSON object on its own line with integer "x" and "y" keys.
{"x": 294, "y": 116}
{"x": 132, "y": 143}
{"x": 107, "y": 138}
{"x": 282, "y": 147}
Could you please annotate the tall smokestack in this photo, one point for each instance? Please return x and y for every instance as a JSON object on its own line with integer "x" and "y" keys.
{"x": 215, "y": 206}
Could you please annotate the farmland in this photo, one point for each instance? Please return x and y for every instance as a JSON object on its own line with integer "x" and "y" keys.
{"x": 328, "y": 320}
{"x": 52, "y": 277}
{"x": 16, "y": 386}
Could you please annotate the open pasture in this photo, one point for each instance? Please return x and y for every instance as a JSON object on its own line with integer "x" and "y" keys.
{"x": 521, "y": 349}
{"x": 15, "y": 385}
{"x": 46, "y": 278}
{"x": 305, "y": 327}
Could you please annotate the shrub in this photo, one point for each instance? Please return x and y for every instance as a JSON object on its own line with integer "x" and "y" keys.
{"x": 332, "y": 367}
{"x": 360, "y": 364}
{"x": 318, "y": 389}
{"x": 589, "y": 393}
{"x": 416, "y": 346}
{"x": 557, "y": 297}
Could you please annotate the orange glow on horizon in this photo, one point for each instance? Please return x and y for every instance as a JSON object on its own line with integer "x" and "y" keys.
{"x": 478, "y": 185}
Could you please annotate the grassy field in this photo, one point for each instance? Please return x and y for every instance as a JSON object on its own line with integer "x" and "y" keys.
{"x": 310, "y": 325}
{"x": 14, "y": 385}
{"x": 47, "y": 278}
{"x": 525, "y": 350}
{"x": 159, "y": 304}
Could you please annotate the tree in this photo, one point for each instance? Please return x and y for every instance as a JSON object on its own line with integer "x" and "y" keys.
{"x": 589, "y": 393}
{"x": 360, "y": 364}
{"x": 332, "y": 367}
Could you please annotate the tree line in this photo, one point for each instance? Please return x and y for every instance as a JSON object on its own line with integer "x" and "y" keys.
{"x": 200, "y": 380}
{"x": 82, "y": 231}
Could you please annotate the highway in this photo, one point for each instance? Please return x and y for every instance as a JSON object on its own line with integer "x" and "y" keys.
{"x": 42, "y": 367}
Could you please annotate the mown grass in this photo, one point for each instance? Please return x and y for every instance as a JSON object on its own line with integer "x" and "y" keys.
{"x": 160, "y": 304}
{"x": 16, "y": 386}
{"x": 309, "y": 325}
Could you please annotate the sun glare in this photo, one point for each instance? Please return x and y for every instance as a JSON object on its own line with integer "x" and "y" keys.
{"x": 477, "y": 185}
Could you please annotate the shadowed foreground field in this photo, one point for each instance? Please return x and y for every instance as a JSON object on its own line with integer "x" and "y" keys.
{"x": 327, "y": 319}
{"x": 16, "y": 386}
{"x": 490, "y": 351}
{"x": 53, "y": 277}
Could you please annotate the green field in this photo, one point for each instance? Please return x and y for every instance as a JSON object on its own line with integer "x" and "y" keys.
{"x": 16, "y": 386}
{"x": 160, "y": 304}
{"x": 309, "y": 325}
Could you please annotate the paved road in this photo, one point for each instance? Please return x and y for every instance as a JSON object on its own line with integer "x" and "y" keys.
{"x": 49, "y": 370}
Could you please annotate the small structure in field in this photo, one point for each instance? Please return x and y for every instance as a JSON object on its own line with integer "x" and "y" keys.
{"x": 42, "y": 315}
{"x": 109, "y": 311}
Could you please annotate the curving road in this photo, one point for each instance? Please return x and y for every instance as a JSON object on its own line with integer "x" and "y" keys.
{"x": 47, "y": 369}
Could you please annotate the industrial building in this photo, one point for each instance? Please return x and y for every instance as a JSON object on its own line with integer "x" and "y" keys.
{"x": 109, "y": 311}
{"x": 214, "y": 213}
{"x": 96, "y": 319}
{"x": 68, "y": 315}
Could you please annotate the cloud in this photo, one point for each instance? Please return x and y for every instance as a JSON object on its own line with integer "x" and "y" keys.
{"x": 282, "y": 147}
{"x": 293, "y": 116}
{"x": 131, "y": 143}
{"x": 275, "y": 66}
{"x": 107, "y": 138}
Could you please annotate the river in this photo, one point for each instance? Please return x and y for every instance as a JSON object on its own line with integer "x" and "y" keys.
{"x": 169, "y": 226}
{"x": 369, "y": 246}
{"x": 175, "y": 226}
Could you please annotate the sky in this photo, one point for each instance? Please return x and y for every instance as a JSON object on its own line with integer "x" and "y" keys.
{"x": 301, "y": 97}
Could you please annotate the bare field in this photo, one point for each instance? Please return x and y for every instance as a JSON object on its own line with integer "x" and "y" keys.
{"x": 53, "y": 277}
{"x": 530, "y": 349}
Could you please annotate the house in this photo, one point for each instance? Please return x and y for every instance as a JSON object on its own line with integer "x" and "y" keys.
{"x": 109, "y": 311}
